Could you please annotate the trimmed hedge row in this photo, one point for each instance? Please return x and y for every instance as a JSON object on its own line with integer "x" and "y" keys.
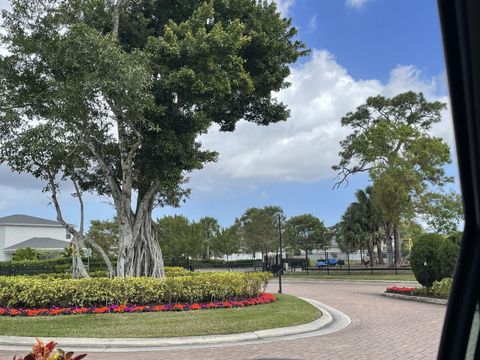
{"x": 214, "y": 263}
{"x": 63, "y": 265}
{"x": 49, "y": 266}
{"x": 169, "y": 271}
{"x": 32, "y": 292}
{"x": 223, "y": 264}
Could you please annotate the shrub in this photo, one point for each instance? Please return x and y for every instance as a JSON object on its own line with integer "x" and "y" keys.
{"x": 216, "y": 263}
{"x": 425, "y": 258}
{"x": 50, "y": 266}
{"x": 176, "y": 271}
{"x": 32, "y": 292}
{"x": 442, "y": 288}
{"x": 455, "y": 237}
{"x": 448, "y": 254}
{"x": 26, "y": 254}
{"x": 169, "y": 271}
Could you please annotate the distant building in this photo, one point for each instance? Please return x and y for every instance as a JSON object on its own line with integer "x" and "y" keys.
{"x": 24, "y": 231}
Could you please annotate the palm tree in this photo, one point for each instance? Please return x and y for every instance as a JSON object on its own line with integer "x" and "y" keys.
{"x": 371, "y": 222}
{"x": 360, "y": 226}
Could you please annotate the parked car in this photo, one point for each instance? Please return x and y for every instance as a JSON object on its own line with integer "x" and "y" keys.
{"x": 330, "y": 262}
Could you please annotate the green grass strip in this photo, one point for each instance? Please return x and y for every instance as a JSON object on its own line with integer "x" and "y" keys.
{"x": 287, "y": 311}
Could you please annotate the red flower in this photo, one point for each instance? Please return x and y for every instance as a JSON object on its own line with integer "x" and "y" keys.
{"x": 120, "y": 308}
{"x": 211, "y": 305}
{"x": 80, "y": 310}
{"x": 400, "y": 290}
{"x": 56, "y": 311}
{"x": 101, "y": 310}
{"x": 263, "y": 298}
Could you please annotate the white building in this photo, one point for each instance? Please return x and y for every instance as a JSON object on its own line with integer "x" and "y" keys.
{"x": 23, "y": 231}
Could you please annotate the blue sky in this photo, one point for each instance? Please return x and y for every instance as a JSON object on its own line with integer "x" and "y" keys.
{"x": 360, "y": 48}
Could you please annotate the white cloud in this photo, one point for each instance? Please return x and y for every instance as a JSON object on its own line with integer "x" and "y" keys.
{"x": 284, "y": 6}
{"x": 356, "y": 3}
{"x": 303, "y": 148}
{"x": 312, "y": 24}
{"x": 306, "y": 146}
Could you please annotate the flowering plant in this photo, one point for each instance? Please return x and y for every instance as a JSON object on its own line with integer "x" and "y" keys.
{"x": 41, "y": 351}
{"x": 263, "y": 298}
{"x": 401, "y": 290}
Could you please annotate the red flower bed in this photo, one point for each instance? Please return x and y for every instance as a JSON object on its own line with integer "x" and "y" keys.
{"x": 263, "y": 298}
{"x": 401, "y": 290}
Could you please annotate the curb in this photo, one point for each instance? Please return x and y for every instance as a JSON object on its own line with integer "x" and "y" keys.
{"x": 417, "y": 298}
{"x": 327, "y": 323}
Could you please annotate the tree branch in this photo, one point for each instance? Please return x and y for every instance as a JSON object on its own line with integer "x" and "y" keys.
{"x": 53, "y": 189}
{"x": 114, "y": 187}
{"x": 80, "y": 200}
{"x": 103, "y": 254}
{"x": 346, "y": 172}
{"x": 126, "y": 155}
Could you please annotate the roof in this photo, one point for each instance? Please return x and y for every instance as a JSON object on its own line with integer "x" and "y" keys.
{"x": 20, "y": 219}
{"x": 39, "y": 243}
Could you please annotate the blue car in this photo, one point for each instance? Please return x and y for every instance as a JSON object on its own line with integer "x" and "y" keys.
{"x": 330, "y": 262}
{"x": 321, "y": 263}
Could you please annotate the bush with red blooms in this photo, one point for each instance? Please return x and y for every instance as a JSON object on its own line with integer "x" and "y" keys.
{"x": 263, "y": 298}
{"x": 401, "y": 290}
{"x": 41, "y": 351}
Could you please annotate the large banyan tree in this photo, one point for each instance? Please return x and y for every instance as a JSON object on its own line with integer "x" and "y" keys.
{"x": 130, "y": 85}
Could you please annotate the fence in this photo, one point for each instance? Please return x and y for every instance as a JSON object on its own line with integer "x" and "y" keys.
{"x": 347, "y": 264}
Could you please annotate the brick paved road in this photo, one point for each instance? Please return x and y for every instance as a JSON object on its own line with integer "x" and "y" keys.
{"x": 382, "y": 328}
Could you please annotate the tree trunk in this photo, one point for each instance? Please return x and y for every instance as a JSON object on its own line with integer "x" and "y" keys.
{"x": 140, "y": 256}
{"x": 370, "y": 252}
{"x": 78, "y": 268}
{"x": 396, "y": 241}
{"x": 388, "y": 241}
{"x": 379, "y": 252}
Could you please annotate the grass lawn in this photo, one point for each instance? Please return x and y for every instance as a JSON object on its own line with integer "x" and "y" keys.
{"x": 352, "y": 277}
{"x": 288, "y": 311}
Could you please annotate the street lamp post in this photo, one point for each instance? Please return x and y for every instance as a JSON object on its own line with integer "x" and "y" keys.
{"x": 281, "y": 254}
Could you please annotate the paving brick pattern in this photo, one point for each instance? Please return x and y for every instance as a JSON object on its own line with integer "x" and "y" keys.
{"x": 381, "y": 328}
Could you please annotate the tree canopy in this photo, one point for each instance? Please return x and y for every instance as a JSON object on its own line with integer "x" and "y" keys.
{"x": 132, "y": 84}
{"x": 259, "y": 229}
{"x": 306, "y": 232}
{"x": 391, "y": 140}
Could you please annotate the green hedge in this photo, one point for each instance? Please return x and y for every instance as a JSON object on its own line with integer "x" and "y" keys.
{"x": 49, "y": 266}
{"x": 199, "y": 264}
{"x": 31, "y": 292}
{"x": 63, "y": 265}
{"x": 169, "y": 271}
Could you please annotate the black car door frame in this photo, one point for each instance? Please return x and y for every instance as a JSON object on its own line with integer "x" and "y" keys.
{"x": 460, "y": 21}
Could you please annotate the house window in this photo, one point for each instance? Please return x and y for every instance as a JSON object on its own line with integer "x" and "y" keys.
{"x": 69, "y": 236}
